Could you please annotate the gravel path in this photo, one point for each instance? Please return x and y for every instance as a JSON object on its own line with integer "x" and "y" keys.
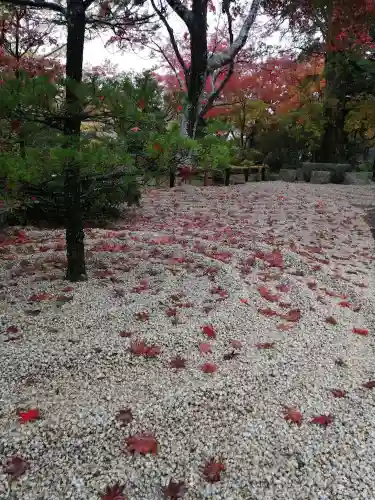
{"x": 282, "y": 278}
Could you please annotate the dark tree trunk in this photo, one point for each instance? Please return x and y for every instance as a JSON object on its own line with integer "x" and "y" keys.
{"x": 76, "y": 270}
{"x": 198, "y": 66}
{"x": 334, "y": 139}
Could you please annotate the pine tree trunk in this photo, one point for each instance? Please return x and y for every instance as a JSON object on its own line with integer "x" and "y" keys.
{"x": 76, "y": 270}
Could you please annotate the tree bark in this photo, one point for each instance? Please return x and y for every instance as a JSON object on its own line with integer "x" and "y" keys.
{"x": 76, "y": 20}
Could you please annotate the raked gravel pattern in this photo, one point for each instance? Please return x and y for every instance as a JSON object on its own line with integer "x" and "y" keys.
{"x": 205, "y": 253}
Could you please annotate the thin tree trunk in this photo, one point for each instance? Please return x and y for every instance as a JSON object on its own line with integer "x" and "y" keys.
{"x": 76, "y": 270}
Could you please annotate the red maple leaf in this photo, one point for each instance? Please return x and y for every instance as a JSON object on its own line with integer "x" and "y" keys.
{"x": 292, "y": 315}
{"x": 142, "y": 443}
{"x": 16, "y": 466}
{"x": 12, "y": 329}
{"x": 236, "y": 344}
{"x": 322, "y": 420}
{"x": 29, "y": 415}
{"x": 265, "y": 345}
{"x": 284, "y": 327}
{"x": 361, "y": 331}
{"x": 177, "y": 363}
{"x": 292, "y": 415}
{"x": 174, "y": 490}
{"x": 338, "y": 393}
{"x": 125, "y": 335}
{"x": 205, "y": 348}
{"x": 369, "y": 385}
{"x": 266, "y": 294}
{"x": 345, "y": 303}
{"x": 208, "y": 368}
{"x": 171, "y": 312}
{"x": 212, "y": 471}
{"x": 244, "y": 301}
{"x": 283, "y": 288}
{"x": 141, "y": 349}
{"x": 209, "y": 331}
{"x": 115, "y": 492}
{"x": 268, "y": 312}
{"x": 40, "y": 297}
{"x": 142, "y": 316}
{"x": 125, "y": 416}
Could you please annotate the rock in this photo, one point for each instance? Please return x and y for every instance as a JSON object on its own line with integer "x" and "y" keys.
{"x": 300, "y": 177}
{"x": 337, "y": 170}
{"x": 320, "y": 177}
{"x": 357, "y": 177}
{"x": 288, "y": 174}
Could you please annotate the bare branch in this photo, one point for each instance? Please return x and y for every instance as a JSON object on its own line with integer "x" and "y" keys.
{"x": 36, "y": 5}
{"x": 172, "y": 38}
{"x": 222, "y": 58}
{"x": 162, "y": 52}
{"x": 214, "y": 95}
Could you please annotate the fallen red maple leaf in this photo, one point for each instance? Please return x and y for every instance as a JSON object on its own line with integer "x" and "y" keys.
{"x": 212, "y": 471}
{"x": 125, "y": 416}
{"x": 361, "y": 331}
{"x": 345, "y": 303}
{"x": 142, "y": 443}
{"x": 244, "y": 301}
{"x": 322, "y": 420}
{"x": 142, "y": 316}
{"x": 40, "y": 297}
{"x": 265, "y": 345}
{"x": 174, "y": 491}
{"x": 29, "y": 415}
{"x": 115, "y": 492}
{"x": 268, "y": 312}
{"x": 16, "y": 466}
{"x": 208, "y": 368}
{"x": 284, "y": 327}
{"x": 338, "y": 393}
{"x": 141, "y": 349}
{"x": 205, "y": 348}
{"x": 236, "y": 344}
{"x": 171, "y": 312}
{"x": 266, "y": 294}
{"x": 209, "y": 331}
{"x": 178, "y": 363}
{"x": 125, "y": 335}
{"x": 369, "y": 385}
{"x": 283, "y": 288}
{"x": 292, "y": 415}
{"x": 12, "y": 329}
{"x": 292, "y": 315}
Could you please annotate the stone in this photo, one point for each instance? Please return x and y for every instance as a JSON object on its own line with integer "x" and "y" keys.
{"x": 320, "y": 177}
{"x": 337, "y": 170}
{"x": 300, "y": 177}
{"x": 357, "y": 178}
{"x": 288, "y": 175}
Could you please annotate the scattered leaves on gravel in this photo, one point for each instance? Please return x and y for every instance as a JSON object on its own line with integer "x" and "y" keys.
{"x": 16, "y": 466}
{"x": 29, "y": 415}
{"x": 212, "y": 471}
{"x": 115, "y": 492}
{"x": 142, "y": 444}
{"x": 174, "y": 490}
{"x": 323, "y": 420}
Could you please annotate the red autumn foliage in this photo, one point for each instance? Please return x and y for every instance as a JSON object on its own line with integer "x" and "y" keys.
{"x": 338, "y": 393}
{"x": 174, "y": 490}
{"x": 208, "y": 368}
{"x": 293, "y": 315}
{"x": 178, "y": 363}
{"x": 284, "y": 327}
{"x": 369, "y": 385}
{"x": 205, "y": 348}
{"x": 266, "y": 294}
{"x": 142, "y": 444}
{"x": 265, "y": 345}
{"x": 115, "y": 492}
{"x": 292, "y": 415}
{"x": 323, "y": 420}
{"x": 361, "y": 331}
{"x": 125, "y": 335}
{"x": 209, "y": 331}
{"x": 40, "y": 297}
{"x": 212, "y": 471}
{"x": 12, "y": 329}
{"x": 141, "y": 349}
{"x": 29, "y": 415}
{"x": 268, "y": 312}
{"x": 236, "y": 344}
{"x": 16, "y": 466}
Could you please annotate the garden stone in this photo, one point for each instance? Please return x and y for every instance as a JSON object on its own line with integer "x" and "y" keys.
{"x": 288, "y": 175}
{"x": 320, "y": 177}
{"x": 357, "y": 177}
{"x": 300, "y": 177}
{"x": 337, "y": 169}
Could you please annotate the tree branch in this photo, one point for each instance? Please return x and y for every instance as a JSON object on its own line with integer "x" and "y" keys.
{"x": 172, "y": 39}
{"x": 214, "y": 95}
{"x": 182, "y": 11}
{"x": 41, "y": 4}
{"x": 222, "y": 58}
{"x": 162, "y": 52}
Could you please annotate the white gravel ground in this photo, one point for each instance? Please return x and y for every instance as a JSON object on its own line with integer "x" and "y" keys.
{"x": 70, "y": 361}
